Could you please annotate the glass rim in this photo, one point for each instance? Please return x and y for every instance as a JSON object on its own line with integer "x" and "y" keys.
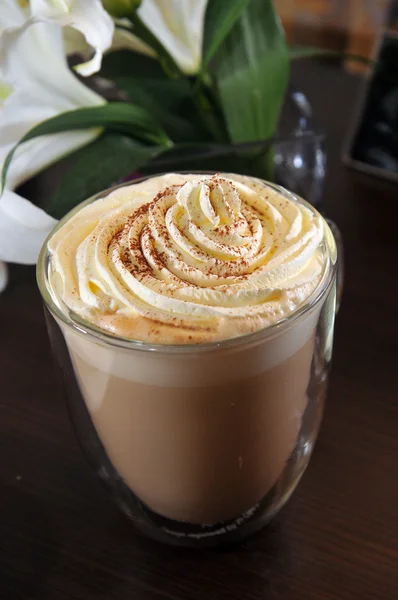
{"x": 85, "y": 327}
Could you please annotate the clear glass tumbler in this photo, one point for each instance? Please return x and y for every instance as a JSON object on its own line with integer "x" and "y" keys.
{"x": 200, "y": 445}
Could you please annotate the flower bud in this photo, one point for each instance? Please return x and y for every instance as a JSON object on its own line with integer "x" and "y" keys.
{"x": 121, "y": 8}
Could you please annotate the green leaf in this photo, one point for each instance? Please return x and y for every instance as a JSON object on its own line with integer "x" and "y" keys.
{"x": 239, "y": 158}
{"x": 125, "y": 63}
{"x": 128, "y": 69}
{"x": 97, "y": 166}
{"x": 181, "y": 153}
{"x": 221, "y": 16}
{"x": 251, "y": 71}
{"x": 142, "y": 93}
{"x": 170, "y": 93}
{"x": 114, "y": 116}
{"x": 212, "y": 118}
{"x": 299, "y": 52}
{"x": 173, "y": 102}
{"x": 145, "y": 34}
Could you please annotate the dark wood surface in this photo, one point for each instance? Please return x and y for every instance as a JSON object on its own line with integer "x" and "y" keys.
{"x": 61, "y": 537}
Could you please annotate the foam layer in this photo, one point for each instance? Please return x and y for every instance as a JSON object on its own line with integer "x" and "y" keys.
{"x": 185, "y": 370}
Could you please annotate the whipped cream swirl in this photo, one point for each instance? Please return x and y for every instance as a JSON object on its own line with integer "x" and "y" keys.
{"x": 188, "y": 258}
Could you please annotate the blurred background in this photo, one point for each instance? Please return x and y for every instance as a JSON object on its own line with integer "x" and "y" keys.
{"x": 351, "y": 26}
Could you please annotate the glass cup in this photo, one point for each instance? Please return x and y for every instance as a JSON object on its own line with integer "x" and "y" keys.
{"x": 200, "y": 445}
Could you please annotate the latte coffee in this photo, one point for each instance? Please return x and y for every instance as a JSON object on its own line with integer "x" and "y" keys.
{"x": 197, "y": 311}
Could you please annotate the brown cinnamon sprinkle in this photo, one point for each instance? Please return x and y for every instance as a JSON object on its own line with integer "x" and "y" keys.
{"x": 138, "y": 264}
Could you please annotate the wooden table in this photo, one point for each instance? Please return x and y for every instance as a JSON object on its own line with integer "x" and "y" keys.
{"x": 337, "y": 538}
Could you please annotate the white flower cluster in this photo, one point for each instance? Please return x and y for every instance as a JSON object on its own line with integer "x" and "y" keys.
{"x": 36, "y": 84}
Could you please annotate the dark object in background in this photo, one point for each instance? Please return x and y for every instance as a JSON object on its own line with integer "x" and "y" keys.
{"x": 373, "y": 144}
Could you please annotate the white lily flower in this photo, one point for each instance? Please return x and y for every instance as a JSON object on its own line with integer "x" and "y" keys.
{"x": 23, "y": 228}
{"x": 36, "y": 84}
{"x": 87, "y": 16}
{"x": 123, "y": 39}
{"x": 179, "y": 26}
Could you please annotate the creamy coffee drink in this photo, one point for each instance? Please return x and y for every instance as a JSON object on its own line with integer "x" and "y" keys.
{"x": 169, "y": 276}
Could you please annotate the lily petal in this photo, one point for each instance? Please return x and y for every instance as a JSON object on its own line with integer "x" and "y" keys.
{"x": 3, "y": 276}
{"x": 22, "y": 60}
{"x": 35, "y": 84}
{"x": 36, "y": 94}
{"x": 36, "y": 155}
{"x": 123, "y": 39}
{"x": 23, "y": 229}
{"x": 88, "y": 16}
{"x": 179, "y": 26}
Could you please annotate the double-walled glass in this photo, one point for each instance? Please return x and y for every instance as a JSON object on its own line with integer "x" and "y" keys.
{"x": 199, "y": 444}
